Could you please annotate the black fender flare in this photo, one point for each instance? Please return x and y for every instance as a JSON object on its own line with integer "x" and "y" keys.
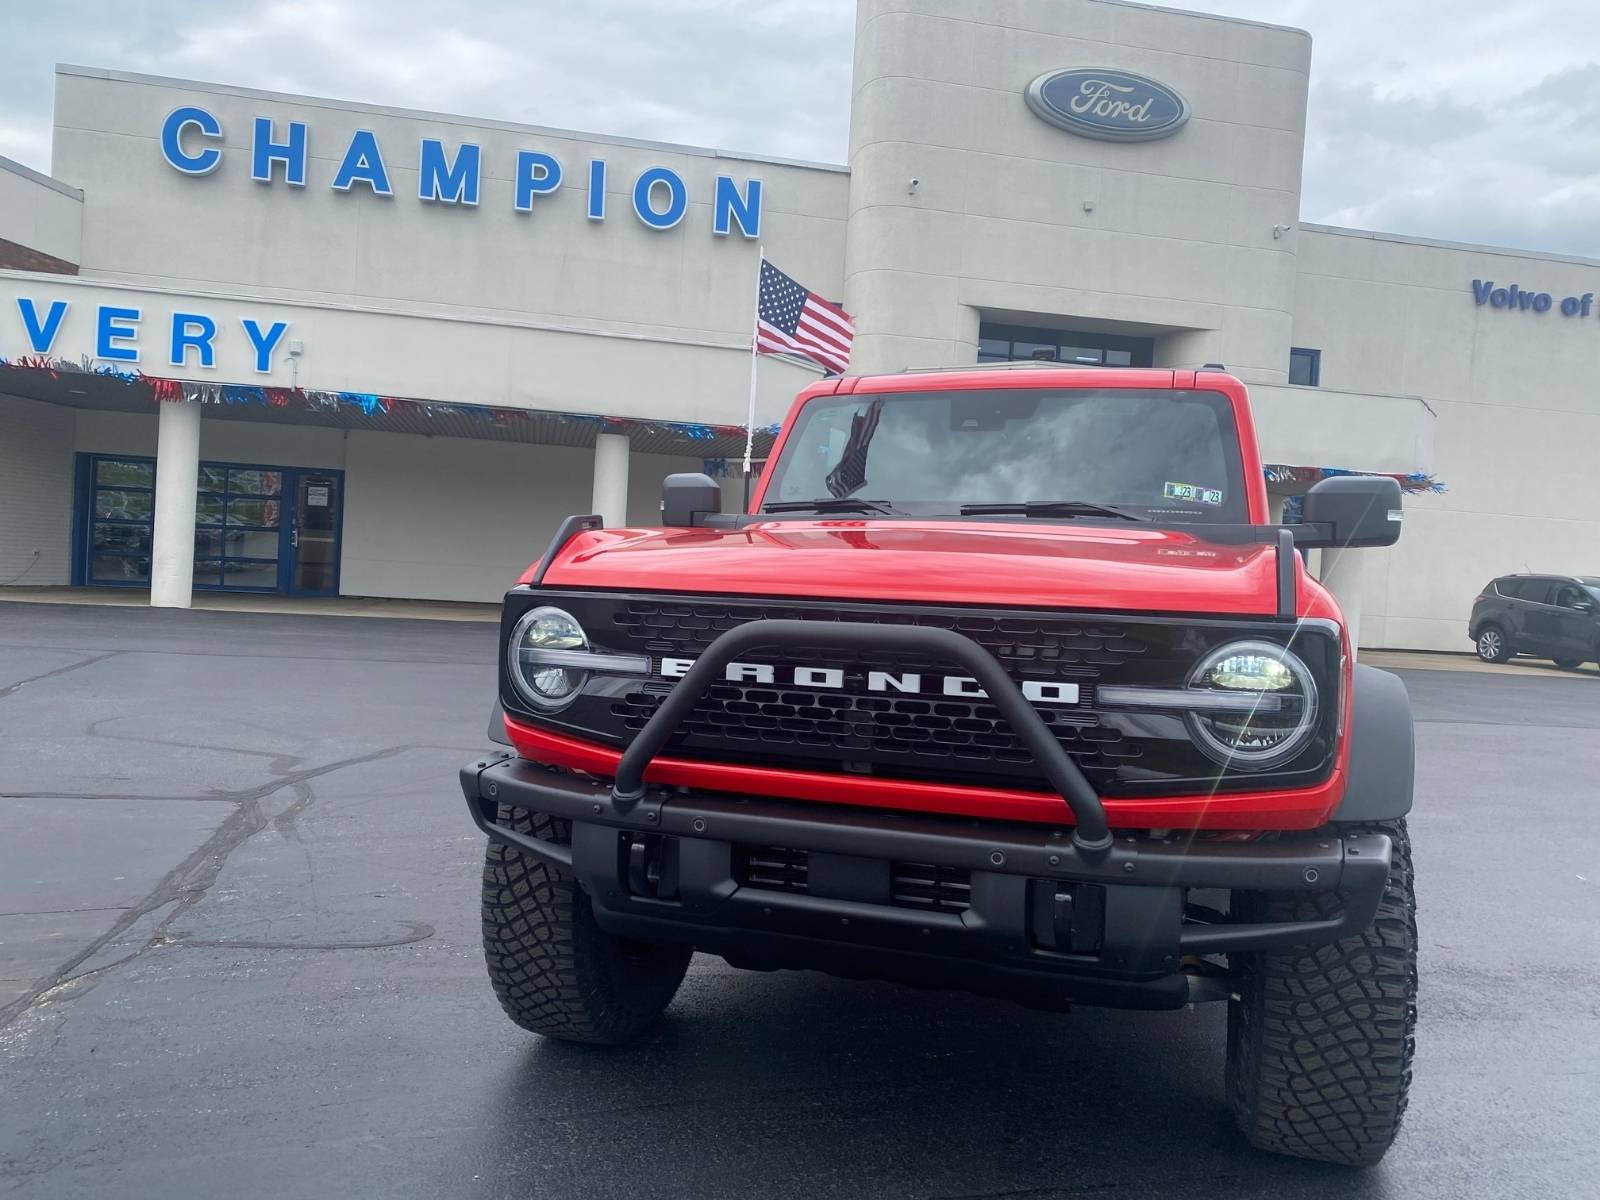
{"x": 1382, "y": 749}
{"x": 497, "y": 724}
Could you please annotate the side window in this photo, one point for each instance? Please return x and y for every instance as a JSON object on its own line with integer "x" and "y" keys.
{"x": 1536, "y": 591}
{"x": 1568, "y": 595}
{"x": 1305, "y": 366}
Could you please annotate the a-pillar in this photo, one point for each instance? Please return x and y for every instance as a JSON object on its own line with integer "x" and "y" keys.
{"x": 1341, "y": 575}
{"x": 177, "y": 473}
{"x": 611, "y": 478}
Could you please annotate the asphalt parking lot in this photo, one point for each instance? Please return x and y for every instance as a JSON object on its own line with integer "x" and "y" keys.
{"x": 239, "y": 956}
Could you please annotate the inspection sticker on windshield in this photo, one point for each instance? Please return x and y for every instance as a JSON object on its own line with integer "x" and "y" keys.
{"x": 1193, "y": 493}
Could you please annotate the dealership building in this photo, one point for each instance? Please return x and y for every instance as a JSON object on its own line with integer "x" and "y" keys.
{"x": 284, "y": 344}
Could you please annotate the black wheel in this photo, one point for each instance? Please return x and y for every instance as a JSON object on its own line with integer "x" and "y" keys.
{"x": 1493, "y": 645}
{"x": 554, "y": 969}
{"x": 1320, "y": 1040}
{"x": 1569, "y": 664}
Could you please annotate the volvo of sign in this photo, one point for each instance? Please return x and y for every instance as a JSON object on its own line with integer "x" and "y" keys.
{"x": 1112, "y": 105}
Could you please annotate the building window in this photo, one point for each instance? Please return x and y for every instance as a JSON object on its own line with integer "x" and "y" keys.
{"x": 1020, "y": 343}
{"x": 256, "y": 529}
{"x": 1305, "y": 366}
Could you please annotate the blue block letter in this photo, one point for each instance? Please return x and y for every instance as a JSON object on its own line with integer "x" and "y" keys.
{"x": 450, "y": 183}
{"x": 677, "y": 198}
{"x": 537, "y": 175}
{"x": 204, "y": 161}
{"x": 597, "y": 189}
{"x": 41, "y": 334}
{"x": 1481, "y": 289}
{"x": 728, "y": 204}
{"x": 193, "y": 329}
{"x": 110, "y": 330}
{"x": 292, "y": 154}
{"x": 363, "y": 163}
{"x": 265, "y": 343}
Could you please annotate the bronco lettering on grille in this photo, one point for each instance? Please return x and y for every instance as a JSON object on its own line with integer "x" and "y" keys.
{"x": 1039, "y": 691}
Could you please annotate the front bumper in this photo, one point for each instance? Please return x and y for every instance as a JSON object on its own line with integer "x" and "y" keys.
{"x": 990, "y": 907}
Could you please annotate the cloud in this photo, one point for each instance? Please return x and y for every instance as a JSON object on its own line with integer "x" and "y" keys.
{"x": 1427, "y": 117}
{"x": 1460, "y": 122}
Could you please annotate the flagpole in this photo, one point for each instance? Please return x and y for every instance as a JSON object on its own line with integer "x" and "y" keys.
{"x": 755, "y": 357}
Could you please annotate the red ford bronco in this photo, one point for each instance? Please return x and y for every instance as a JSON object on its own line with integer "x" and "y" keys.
{"x": 1005, "y": 681}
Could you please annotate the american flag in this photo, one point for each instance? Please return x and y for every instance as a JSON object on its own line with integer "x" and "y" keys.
{"x": 792, "y": 320}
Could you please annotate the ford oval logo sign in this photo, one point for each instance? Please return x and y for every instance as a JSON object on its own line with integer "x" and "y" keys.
{"x": 1115, "y": 106}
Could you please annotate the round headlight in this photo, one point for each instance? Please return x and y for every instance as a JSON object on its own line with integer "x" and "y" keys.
{"x": 1262, "y": 705}
{"x": 544, "y": 644}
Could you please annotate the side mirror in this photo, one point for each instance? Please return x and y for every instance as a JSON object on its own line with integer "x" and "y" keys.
{"x": 688, "y": 497}
{"x": 1353, "y": 510}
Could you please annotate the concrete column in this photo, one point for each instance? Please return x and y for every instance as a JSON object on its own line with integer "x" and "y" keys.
{"x": 177, "y": 473}
{"x": 1341, "y": 575}
{"x": 611, "y": 477}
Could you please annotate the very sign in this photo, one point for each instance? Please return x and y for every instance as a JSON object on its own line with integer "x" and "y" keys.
{"x": 124, "y": 333}
{"x": 1111, "y": 105}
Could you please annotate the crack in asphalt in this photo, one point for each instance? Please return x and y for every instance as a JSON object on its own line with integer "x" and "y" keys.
{"x": 318, "y": 658}
{"x": 280, "y": 762}
{"x": 420, "y": 931}
{"x": 222, "y": 799}
{"x": 59, "y": 912}
{"x": 189, "y": 881}
{"x": 11, "y": 689}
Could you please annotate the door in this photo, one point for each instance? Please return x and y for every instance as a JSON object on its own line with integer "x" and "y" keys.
{"x": 313, "y": 567}
{"x": 1574, "y": 622}
{"x": 1537, "y": 631}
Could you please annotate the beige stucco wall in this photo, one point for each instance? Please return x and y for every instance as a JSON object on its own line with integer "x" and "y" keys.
{"x": 35, "y": 492}
{"x": 1518, "y": 415}
{"x": 39, "y": 213}
{"x": 484, "y": 304}
{"x": 1012, "y": 215}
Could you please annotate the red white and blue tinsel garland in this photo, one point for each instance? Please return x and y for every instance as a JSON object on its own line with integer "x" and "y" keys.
{"x": 1410, "y": 482}
{"x": 369, "y": 404}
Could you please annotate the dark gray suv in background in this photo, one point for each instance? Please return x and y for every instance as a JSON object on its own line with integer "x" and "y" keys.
{"x": 1547, "y": 616}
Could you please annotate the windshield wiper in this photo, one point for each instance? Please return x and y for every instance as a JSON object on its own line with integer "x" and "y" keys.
{"x": 829, "y": 504}
{"x": 1048, "y": 508}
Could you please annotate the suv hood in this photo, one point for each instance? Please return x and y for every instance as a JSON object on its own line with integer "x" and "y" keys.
{"x": 1133, "y": 568}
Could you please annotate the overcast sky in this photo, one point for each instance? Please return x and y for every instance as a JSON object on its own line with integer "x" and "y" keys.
{"x": 1469, "y": 120}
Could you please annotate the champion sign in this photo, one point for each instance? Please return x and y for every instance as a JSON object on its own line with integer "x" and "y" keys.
{"x": 193, "y": 143}
{"x": 1114, "y": 106}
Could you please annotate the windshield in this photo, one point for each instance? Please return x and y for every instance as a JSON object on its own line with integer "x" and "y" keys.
{"x": 1161, "y": 454}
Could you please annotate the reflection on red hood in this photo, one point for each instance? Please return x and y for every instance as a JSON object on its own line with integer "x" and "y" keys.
{"x": 1130, "y": 568}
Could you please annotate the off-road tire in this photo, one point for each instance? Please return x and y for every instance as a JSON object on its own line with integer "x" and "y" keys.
{"x": 1320, "y": 1040}
{"x": 1501, "y": 649}
{"x": 554, "y": 969}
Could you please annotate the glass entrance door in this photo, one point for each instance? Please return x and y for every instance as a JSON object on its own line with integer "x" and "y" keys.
{"x": 256, "y": 528}
{"x": 314, "y": 532}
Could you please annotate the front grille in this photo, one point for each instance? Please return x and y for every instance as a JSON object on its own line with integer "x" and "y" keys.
{"x": 771, "y": 868}
{"x": 931, "y": 887}
{"x": 1041, "y": 646}
{"x": 926, "y": 735}
{"x": 879, "y": 727}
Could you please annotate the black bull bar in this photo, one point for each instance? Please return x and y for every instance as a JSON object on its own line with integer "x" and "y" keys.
{"x": 1026, "y": 882}
{"x": 1090, "y": 836}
